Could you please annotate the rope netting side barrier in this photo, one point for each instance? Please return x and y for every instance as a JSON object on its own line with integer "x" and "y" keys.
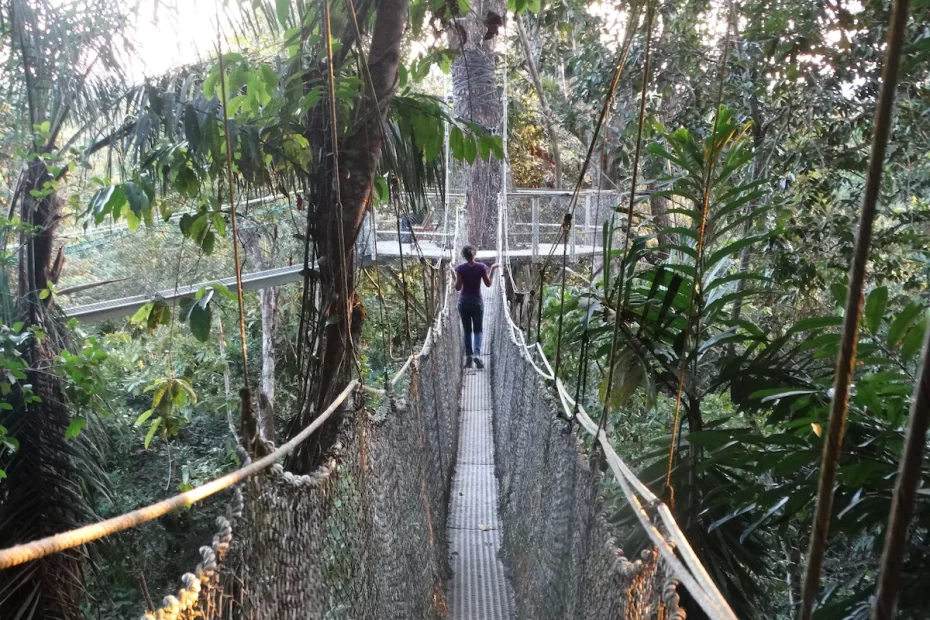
{"x": 363, "y": 536}
{"x": 564, "y": 558}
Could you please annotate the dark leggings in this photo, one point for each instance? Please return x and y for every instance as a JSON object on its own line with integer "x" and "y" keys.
{"x": 472, "y": 313}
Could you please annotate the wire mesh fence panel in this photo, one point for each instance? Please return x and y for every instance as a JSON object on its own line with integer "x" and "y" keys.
{"x": 563, "y": 557}
{"x": 535, "y": 220}
{"x": 157, "y": 258}
{"x": 522, "y": 221}
{"x": 361, "y": 538}
{"x": 427, "y": 230}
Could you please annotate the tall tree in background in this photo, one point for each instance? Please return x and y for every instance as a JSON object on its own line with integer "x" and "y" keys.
{"x": 476, "y": 98}
{"x": 545, "y": 110}
{"x": 61, "y": 63}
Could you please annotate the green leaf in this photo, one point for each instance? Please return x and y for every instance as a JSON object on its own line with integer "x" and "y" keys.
{"x": 484, "y": 147}
{"x": 142, "y": 418}
{"x": 132, "y": 220}
{"x": 312, "y": 97}
{"x": 152, "y": 430}
{"x": 768, "y": 513}
{"x": 219, "y": 224}
{"x": 99, "y": 203}
{"x": 381, "y": 190}
{"x": 160, "y": 393}
{"x": 777, "y": 393}
{"x": 270, "y": 78}
{"x": 914, "y": 340}
{"x": 138, "y": 199}
{"x": 142, "y": 314}
{"x": 209, "y": 84}
{"x": 159, "y": 315}
{"x": 44, "y": 293}
{"x": 875, "y": 308}
{"x": 223, "y": 290}
{"x": 471, "y": 150}
{"x": 902, "y": 322}
{"x": 840, "y": 292}
{"x": 199, "y": 227}
{"x": 200, "y": 320}
{"x": 457, "y": 143}
{"x": 208, "y": 243}
{"x": 74, "y": 429}
{"x": 497, "y": 146}
{"x": 816, "y": 323}
{"x": 732, "y": 248}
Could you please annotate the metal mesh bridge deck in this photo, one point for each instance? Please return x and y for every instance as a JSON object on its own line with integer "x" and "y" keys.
{"x": 479, "y": 589}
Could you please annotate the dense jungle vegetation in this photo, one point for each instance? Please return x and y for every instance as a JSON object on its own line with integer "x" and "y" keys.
{"x": 116, "y": 183}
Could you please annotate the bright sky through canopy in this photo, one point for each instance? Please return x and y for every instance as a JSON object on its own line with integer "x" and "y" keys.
{"x": 170, "y": 33}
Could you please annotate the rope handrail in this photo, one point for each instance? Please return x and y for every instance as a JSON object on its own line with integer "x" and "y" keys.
{"x": 694, "y": 577}
{"x": 36, "y": 549}
{"x": 622, "y": 470}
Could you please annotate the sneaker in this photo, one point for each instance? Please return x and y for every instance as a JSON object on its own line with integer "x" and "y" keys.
{"x": 468, "y": 362}
{"x": 479, "y": 364}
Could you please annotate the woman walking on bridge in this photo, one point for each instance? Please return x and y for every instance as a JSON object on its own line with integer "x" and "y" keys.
{"x": 468, "y": 278}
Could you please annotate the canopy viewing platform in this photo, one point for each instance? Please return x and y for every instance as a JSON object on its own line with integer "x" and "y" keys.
{"x": 534, "y": 234}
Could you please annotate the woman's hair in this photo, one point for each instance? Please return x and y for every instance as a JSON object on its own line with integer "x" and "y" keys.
{"x": 468, "y": 252}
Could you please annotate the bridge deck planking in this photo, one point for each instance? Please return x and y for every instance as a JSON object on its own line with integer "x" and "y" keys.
{"x": 478, "y": 589}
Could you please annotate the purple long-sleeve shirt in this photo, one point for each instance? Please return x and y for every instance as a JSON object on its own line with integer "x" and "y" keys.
{"x": 472, "y": 276}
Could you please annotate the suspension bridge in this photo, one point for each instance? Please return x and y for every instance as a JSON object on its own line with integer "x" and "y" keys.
{"x": 464, "y": 495}
{"x": 470, "y": 494}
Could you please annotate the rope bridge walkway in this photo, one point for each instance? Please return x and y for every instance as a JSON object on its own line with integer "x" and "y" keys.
{"x": 478, "y": 589}
{"x": 467, "y": 497}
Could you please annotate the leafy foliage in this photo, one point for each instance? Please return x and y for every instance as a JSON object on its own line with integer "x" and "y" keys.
{"x": 755, "y": 399}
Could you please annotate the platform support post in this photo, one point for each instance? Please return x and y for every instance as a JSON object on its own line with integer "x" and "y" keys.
{"x": 573, "y": 226}
{"x": 588, "y": 230}
{"x": 534, "y": 202}
{"x": 373, "y": 248}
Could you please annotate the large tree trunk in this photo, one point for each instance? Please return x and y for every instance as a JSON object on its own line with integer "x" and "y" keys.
{"x": 658, "y": 207}
{"x": 546, "y": 113}
{"x": 49, "y": 477}
{"x": 36, "y": 271}
{"x": 475, "y": 97}
{"x": 359, "y": 153}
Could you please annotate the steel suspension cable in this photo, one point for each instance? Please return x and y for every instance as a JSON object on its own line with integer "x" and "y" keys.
{"x": 232, "y": 216}
{"x": 608, "y": 100}
{"x": 905, "y": 496}
{"x": 581, "y": 383}
{"x": 847, "y": 356}
{"x": 337, "y": 180}
{"x": 566, "y": 225}
{"x": 711, "y": 153}
{"x": 650, "y": 13}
